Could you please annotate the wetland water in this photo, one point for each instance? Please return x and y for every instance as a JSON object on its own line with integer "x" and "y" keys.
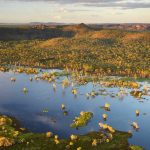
{"x": 39, "y": 110}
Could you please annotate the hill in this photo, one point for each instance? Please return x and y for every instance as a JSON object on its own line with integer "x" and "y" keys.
{"x": 83, "y": 48}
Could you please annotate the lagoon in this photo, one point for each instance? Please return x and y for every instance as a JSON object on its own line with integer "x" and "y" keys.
{"x": 39, "y": 110}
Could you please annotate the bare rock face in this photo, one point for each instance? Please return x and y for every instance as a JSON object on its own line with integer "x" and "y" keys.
{"x": 5, "y": 142}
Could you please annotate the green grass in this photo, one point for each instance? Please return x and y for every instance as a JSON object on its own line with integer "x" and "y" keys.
{"x": 82, "y": 120}
{"x": 133, "y": 147}
{"x": 26, "y": 140}
{"x": 101, "y": 52}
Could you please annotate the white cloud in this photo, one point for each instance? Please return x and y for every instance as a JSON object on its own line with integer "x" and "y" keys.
{"x": 57, "y": 17}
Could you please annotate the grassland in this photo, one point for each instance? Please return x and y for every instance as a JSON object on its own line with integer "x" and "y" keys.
{"x": 78, "y": 48}
{"x": 13, "y": 137}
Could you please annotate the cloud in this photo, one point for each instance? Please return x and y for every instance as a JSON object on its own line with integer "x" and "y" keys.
{"x": 122, "y": 4}
{"x": 63, "y": 10}
{"x": 57, "y": 17}
{"x": 70, "y": 1}
{"x": 127, "y": 5}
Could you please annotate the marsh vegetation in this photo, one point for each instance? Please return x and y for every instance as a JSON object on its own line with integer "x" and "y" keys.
{"x": 74, "y": 87}
{"x": 83, "y": 49}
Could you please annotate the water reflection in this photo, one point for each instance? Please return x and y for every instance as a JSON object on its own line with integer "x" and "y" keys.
{"x": 28, "y": 108}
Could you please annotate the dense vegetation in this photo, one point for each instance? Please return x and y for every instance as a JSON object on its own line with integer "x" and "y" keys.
{"x": 15, "y": 138}
{"x": 79, "y": 48}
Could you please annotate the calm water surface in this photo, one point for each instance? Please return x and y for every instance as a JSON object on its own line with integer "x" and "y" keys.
{"x": 28, "y": 108}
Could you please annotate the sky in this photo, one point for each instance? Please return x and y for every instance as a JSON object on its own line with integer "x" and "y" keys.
{"x": 75, "y": 11}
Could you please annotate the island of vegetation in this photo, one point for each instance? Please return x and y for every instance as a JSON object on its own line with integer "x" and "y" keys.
{"x": 13, "y": 137}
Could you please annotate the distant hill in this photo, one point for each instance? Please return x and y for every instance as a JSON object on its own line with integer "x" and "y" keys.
{"x": 42, "y": 31}
{"x": 96, "y": 49}
{"x": 32, "y": 32}
{"x": 130, "y": 26}
{"x": 125, "y": 26}
{"x": 52, "y": 30}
